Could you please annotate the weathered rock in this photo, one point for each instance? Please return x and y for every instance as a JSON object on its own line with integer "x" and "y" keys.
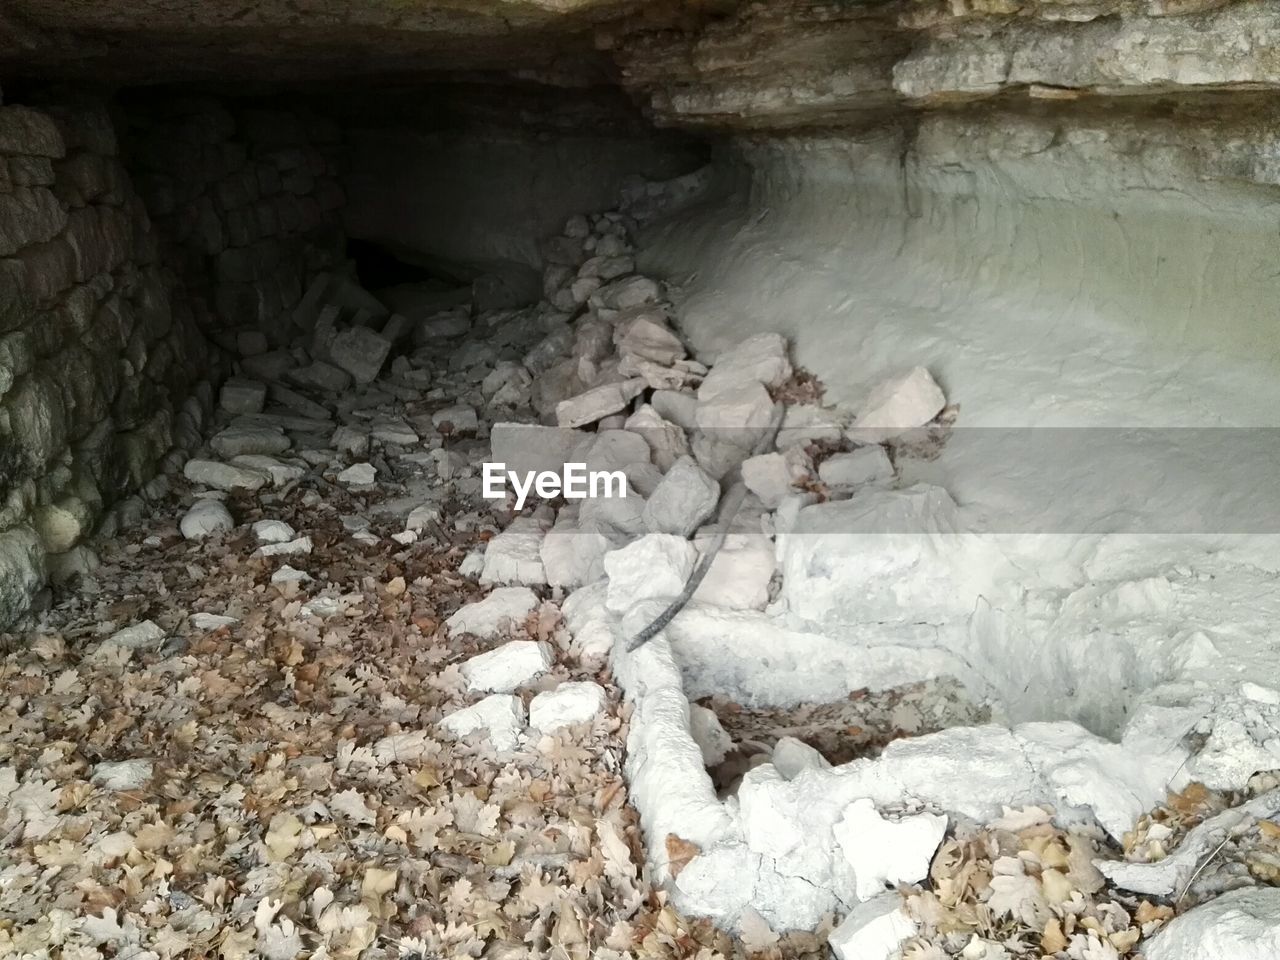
{"x": 897, "y": 405}
{"x": 761, "y": 359}
{"x": 1241, "y": 924}
{"x": 598, "y": 402}
{"x": 503, "y": 607}
{"x": 460, "y": 418}
{"x": 360, "y": 352}
{"x": 844, "y": 471}
{"x": 872, "y": 930}
{"x": 239, "y": 439}
{"x": 791, "y": 757}
{"x": 500, "y": 716}
{"x": 223, "y": 476}
{"x": 273, "y": 531}
{"x": 205, "y": 518}
{"x": 512, "y": 557}
{"x": 772, "y": 476}
{"x": 655, "y": 566}
{"x": 567, "y": 704}
{"x": 572, "y": 554}
{"x": 351, "y": 441}
{"x": 240, "y": 395}
{"x": 684, "y": 500}
{"x": 359, "y": 475}
{"x": 279, "y": 472}
{"x": 504, "y": 668}
{"x": 887, "y": 852}
{"x": 667, "y": 441}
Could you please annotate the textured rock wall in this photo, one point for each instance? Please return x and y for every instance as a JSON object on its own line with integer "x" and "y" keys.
{"x": 135, "y": 240}
{"x": 97, "y": 349}
{"x": 246, "y": 203}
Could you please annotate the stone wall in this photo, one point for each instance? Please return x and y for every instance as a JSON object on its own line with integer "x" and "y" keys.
{"x": 139, "y": 244}
{"x": 96, "y": 351}
{"x": 246, "y": 201}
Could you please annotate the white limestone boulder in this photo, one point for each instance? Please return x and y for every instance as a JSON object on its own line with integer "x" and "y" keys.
{"x": 873, "y": 930}
{"x": 504, "y": 668}
{"x": 499, "y": 716}
{"x": 884, "y": 852}
{"x": 666, "y": 440}
{"x": 1241, "y": 924}
{"x": 223, "y": 476}
{"x": 772, "y": 476}
{"x": 273, "y": 531}
{"x": 514, "y": 555}
{"x": 570, "y": 703}
{"x": 503, "y": 608}
{"x": 205, "y": 518}
{"x": 761, "y": 359}
{"x": 684, "y": 499}
{"x": 897, "y": 405}
{"x": 598, "y": 402}
{"x": 653, "y": 567}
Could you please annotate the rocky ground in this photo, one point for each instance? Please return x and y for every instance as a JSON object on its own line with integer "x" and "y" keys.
{"x": 320, "y": 700}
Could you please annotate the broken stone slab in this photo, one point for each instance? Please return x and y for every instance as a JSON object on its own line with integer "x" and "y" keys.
{"x": 684, "y": 499}
{"x": 667, "y": 441}
{"x": 359, "y": 475}
{"x": 531, "y": 448}
{"x": 279, "y": 472}
{"x": 205, "y": 518}
{"x": 737, "y": 415}
{"x": 655, "y": 566}
{"x": 211, "y": 621}
{"x": 648, "y": 338}
{"x": 627, "y": 292}
{"x": 308, "y": 308}
{"x": 301, "y": 546}
{"x": 241, "y": 395}
{"x": 500, "y": 716}
{"x": 598, "y": 402}
{"x": 620, "y": 519}
{"x": 846, "y": 471}
{"x": 393, "y": 430}
{"x": 351, "y": 441}
{"x": 887, "y": 852}
{"x": 509, "y": 384}
{"x": 773, "y": 476}
{"x": 319, "y": 375}
{"x": 570, "y": 703}
{"x": 677, "y": 406}
{"x": 513, "y": 556}
{"x": 240, "y": 439}
{"x": 273, "y": 531}
{"x": 422, "y": 517}
{"x": 361, "y": 352}
{"x": 761, "y": 359}
{"x": 507, "y": 667}
{"x": 278, "y": 419}
{"x": 1242, "y": 924}
{"x": 897, "y": 405}
{"x": 873, "y": 930}
{"x": 287, "y": 574}
{"x": 503, "y": 608}
{"x": 572, "y": 553}
{"x": 224, "y": 476}
{"x": 460, "y": 417}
